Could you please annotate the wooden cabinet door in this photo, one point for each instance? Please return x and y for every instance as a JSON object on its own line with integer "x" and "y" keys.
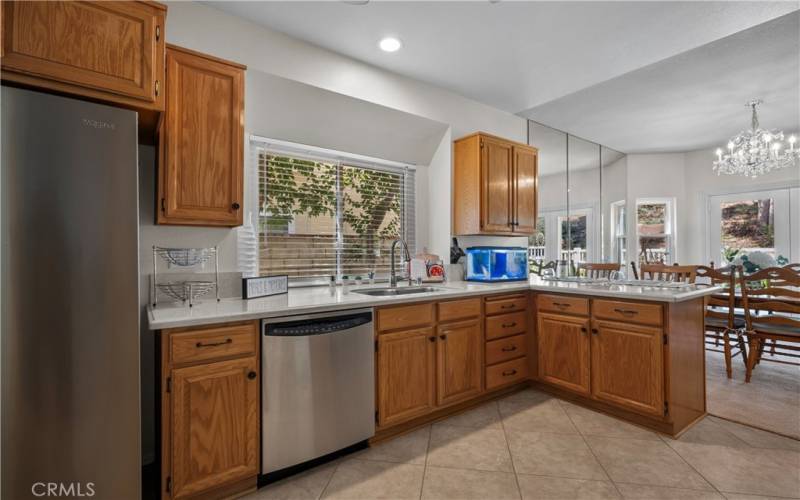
{"x": 459, "y": 361}
{"x": 525, "y": 190}
{"x": 496, "y": 185}
{"x": 113, "y": 47}
{"x": 201, "y": 171}
{"x": 628, "y": 366}
{"x": 564, "y": 352}
{"x": 214, "y": 416}
{"x": 406, "y": 375}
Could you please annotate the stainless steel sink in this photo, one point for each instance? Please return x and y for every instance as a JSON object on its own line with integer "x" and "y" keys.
{"x": 391, "y": 292}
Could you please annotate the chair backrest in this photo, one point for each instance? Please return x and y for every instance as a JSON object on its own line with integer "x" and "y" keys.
{"x": 663, "y": 272}
{"x": 722, "y": 304}
{"x": 635, "y": 272}
{"x": 597, "y": 270}
{"x": 772, "y": 290}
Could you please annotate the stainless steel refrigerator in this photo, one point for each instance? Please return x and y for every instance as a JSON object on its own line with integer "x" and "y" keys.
{"x": 70, "y": 299}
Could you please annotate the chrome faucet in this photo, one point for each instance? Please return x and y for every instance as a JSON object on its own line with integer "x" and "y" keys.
{"x": 392, "y": 272}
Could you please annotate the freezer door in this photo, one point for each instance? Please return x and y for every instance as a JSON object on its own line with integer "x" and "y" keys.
{"x": 70, "y": 309}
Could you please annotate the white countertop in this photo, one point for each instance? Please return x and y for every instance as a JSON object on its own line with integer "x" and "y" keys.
{"x": 321, "y": 299}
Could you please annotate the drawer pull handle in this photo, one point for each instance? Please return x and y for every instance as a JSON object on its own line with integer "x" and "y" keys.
{"x": 508, "y": 306}
{"x": 509, "y": 348}
{"x": 560, "y": 304}
{"x": 214, "y": 344}
{"x": 626, "y": 312}
{"x": 508, "y": 373}
{"x": 509, "y": 325}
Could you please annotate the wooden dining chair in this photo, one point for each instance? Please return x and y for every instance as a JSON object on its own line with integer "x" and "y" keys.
{"x": 597, "y": 270}
{"x": 664, "y": 272}
{"x": 722, "y": 324}
{"x": 634, "y": 271}
{"x": 771, "y": 302}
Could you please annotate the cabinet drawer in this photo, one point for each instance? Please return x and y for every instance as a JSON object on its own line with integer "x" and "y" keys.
{"x": 214, "y": 342}
{"x": 563, "y": 304}
{"x": 629, "y": 312}
{"x": 506, "y": 325}
{"x": 405, "y": 316}
{"x": 505, "y": 349}
{"x": 506, "y": 303}
{"x": 459, "y": 309}
{"x": 506, "y": 373}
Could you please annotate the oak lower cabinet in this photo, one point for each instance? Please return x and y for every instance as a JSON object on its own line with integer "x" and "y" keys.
{"x": 495, "y": 183}
{"x": 564, "y": 347}
{"x": 459, "y": 361}
{"x": 209, "y": 410}
{"x": 107, "y": 51}
{"x": 201, "y": 141}
{"x": 628, "y": 366}
{"x": 429, "y": 356}
{"x": 640, "y": 360}
{"x": 406, "y": 375}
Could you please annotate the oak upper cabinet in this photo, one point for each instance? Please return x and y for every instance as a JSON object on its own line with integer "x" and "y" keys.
{"x": 494, "y": 186}
{"x": 107, "y": 51}
{"x": 201, "y": 141}
{"x": 459, "y": 361}
{"x": 214, "y": 425}
{"x": 526, "y": 170}
{"x": 406, "y": 375}
{"x": 628, "y": 366}
{"x": 564, "y": 347}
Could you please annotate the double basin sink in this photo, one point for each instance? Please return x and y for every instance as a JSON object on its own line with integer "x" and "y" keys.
{"x": 393, "y": 292}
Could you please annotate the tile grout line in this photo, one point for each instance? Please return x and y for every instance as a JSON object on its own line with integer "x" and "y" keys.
{"x": 425, "y": 465}
{"x": 328, "y": 482}
{"x": 508, "y": 447}
{"x": 664, "y": 441}
{"x": 589, "y": 447}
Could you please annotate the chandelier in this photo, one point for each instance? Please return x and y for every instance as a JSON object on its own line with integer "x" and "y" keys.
{"x": 756, "y": 151}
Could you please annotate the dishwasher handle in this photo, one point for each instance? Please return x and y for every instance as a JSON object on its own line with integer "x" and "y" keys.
{"x": 317, "y": 326}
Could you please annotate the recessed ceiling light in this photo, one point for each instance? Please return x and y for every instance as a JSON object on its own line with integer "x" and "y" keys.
{"x": 390, "y": 44}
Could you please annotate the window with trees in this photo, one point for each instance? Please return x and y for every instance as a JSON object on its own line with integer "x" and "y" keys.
{"x": 320, "y": 217}
{"x": 655, "y": 230}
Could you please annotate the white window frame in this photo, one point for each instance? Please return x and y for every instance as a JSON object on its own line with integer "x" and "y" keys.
{"x": 783, "y": 214}
{"x": 619, "y": 232}
{"x": 256, "y": 143}
{"x": 670, "y": 227}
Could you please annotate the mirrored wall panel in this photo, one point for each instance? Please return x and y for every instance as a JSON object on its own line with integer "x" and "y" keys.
{"x": 582, "y": 202}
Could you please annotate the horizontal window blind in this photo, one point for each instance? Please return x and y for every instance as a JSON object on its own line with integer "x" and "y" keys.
{"x": 321, "y": 217}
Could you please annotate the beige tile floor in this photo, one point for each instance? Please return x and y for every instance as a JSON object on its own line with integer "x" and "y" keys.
{"x": 532, "y": 446}
{"x": 770, "y": 401}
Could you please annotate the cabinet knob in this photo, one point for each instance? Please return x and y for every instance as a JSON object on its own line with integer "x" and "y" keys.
{"x": 432, "y": 339}
{"x": 235, "y": 205}
{"x": 595, "y": 331}
{"x": 583, "y": 329}
{"x": 251, "y": 375}
{"x": 443, "y": 337}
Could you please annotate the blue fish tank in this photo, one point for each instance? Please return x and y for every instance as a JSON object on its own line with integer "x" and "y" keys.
{"x": 490, "y": 264}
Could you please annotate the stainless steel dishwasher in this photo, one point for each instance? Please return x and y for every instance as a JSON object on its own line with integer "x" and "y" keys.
{"x": 318, "y": 386}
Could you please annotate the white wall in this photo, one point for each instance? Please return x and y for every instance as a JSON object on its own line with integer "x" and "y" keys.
{"x": 657, "y": 176}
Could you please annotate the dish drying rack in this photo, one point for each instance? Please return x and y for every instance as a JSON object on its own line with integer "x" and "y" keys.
{"x": 187, "y": 290}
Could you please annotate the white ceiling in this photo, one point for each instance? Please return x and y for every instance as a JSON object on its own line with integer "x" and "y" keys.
{"x": 519, "y": 56}
{"x": 694, "y": 100}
